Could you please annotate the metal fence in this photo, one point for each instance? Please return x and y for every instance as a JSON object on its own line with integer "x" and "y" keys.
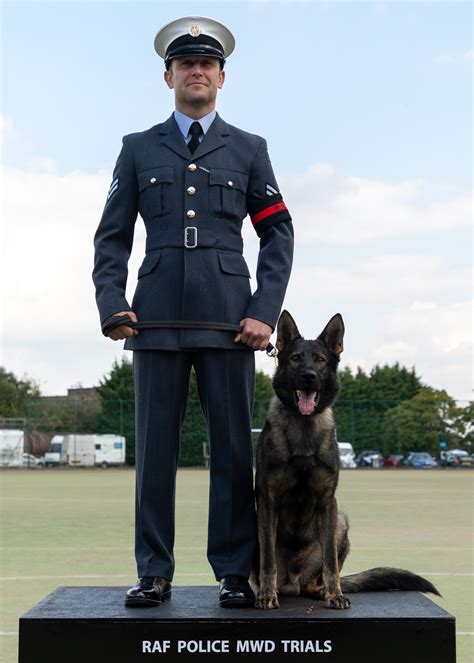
{"x": 385, "y": 426}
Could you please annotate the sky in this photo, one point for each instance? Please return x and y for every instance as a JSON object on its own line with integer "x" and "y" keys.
{"x": 366, "y": 108}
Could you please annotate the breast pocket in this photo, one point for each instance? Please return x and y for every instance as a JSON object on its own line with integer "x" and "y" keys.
{"x": 227, "y": 193}
{"x": 156, "y": 195}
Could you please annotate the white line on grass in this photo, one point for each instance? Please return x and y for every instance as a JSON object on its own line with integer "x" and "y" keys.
{"x": 184, "y": 575}
{"x": 189, "y": 548}
{"x": 89, "y": 549}
{"x": 114, "y": 575}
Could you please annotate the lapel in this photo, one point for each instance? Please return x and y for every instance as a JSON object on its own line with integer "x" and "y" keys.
{"x": 173, "y": 138}
{"x": 213, "y": 140}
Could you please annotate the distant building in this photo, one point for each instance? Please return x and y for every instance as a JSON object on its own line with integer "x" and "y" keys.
{"x": 85, "y": 395}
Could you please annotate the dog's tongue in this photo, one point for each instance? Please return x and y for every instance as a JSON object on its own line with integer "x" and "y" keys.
{"x": 306, "y": 401}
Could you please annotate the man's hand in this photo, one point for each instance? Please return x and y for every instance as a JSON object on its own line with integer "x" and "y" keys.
{"x": 256, "y": 334}
{"x": 119, "y": 333}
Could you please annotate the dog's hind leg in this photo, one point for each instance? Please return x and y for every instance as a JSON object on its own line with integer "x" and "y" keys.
{"x": 295, "y": 567}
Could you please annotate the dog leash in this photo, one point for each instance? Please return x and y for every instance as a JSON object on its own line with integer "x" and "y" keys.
{"x": 118, "y": 320}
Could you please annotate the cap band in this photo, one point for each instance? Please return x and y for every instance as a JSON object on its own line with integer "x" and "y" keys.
{"x": 188, "y": 45}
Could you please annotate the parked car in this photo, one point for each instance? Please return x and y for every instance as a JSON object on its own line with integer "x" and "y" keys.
{"x": 420, "y": 460}
{"x": 392, "y": 460}
{"x": 28, "y": 460}
{"x": 456, "y": 458}
{"x": 369, "y": 459}
{"x": 346, "y": 455}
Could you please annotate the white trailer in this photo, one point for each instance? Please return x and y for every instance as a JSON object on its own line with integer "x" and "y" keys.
{"x": 78, "y": 450}
{"x": 12, "y": 443}
{"x": 109, "y": 450}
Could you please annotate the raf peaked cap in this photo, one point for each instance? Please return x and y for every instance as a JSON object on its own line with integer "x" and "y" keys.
{"x": 194, "y": 35}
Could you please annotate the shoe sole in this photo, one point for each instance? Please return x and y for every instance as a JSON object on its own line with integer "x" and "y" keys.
{"x": 137, "y": 602}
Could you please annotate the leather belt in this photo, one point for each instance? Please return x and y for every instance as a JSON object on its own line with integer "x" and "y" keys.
{"x": 114, "y": 321}
{"x": 192, "y": 238}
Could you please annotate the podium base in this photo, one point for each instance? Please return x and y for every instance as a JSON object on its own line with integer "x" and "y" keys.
{"x": 91, "y": 624}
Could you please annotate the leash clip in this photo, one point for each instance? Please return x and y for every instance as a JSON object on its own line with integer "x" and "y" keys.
{"x": 271, "y": 351}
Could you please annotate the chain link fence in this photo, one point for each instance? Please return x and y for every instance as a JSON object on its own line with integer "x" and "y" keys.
{"x": 385, "y": 426}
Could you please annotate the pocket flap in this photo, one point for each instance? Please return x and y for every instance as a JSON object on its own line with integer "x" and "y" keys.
{"x": 231, "y": 179}
{"x": 234, "y": 263}
{"x": 149, "y": 263}
{"x": 155, "y": 176}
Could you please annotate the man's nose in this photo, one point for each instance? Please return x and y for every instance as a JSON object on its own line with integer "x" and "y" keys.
{"x": 197, "y": 70}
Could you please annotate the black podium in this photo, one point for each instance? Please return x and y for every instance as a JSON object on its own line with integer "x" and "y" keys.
{"x": 91, "y": 624}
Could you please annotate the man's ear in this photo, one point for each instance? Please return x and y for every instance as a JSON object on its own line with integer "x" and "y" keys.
{"x": 287, "y": 331}
{"x": 221, "y": 79}
{"x": 333, "y": 334}
{"x": 168, "y": 76}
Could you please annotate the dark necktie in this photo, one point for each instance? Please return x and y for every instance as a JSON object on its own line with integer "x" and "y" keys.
{"x": 195, "y": 130}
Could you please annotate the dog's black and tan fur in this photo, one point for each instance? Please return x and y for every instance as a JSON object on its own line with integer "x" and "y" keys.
{"x": 303, "y": 539}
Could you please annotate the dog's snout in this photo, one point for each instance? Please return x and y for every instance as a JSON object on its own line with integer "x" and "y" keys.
{"x": 309, "y": 376}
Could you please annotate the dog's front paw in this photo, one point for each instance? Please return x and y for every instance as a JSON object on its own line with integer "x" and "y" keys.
{"x": 267, "y": 601}
{"x": 337, "y": 601}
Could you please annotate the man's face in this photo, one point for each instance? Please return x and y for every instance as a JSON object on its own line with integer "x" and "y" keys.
{"x": 195, "y": 79}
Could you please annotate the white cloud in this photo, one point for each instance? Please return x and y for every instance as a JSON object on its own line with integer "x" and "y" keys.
{"x": 49, "y": 224}
{"x": 379, "y": 278}
{"x": 332, "y": 207}
{"x": 406, "y": 301}
{"x": 438, "y": 340}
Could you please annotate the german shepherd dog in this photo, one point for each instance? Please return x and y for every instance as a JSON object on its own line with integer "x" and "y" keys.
{"x": 303, "y": 539}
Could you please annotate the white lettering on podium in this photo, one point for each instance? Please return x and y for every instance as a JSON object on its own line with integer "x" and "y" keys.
{"x": 204, "y": 646}
{"x": 157, "y": 646}
{"x": 241, "y": 646}
{"x": 255, "y": 646}
{"x": 306, "y": 646}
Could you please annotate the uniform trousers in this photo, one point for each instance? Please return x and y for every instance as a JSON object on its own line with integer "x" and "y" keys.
{"x": 226, "y": 384}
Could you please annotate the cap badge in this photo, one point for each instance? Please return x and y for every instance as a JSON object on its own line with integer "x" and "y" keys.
{"x": 194, "y": 30}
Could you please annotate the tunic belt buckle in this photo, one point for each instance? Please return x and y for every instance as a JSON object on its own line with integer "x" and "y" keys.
{"x": 190, "y": 237}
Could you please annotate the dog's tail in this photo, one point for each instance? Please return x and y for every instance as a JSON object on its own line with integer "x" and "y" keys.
{"x": 383, "y": 579}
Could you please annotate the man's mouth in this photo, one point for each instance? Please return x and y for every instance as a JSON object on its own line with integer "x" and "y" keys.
{"x": 306, "y": 401}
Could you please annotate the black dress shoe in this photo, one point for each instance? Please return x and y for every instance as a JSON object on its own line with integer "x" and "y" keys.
{"x": 149, "y": 591}
{"x": 235, "y": 592}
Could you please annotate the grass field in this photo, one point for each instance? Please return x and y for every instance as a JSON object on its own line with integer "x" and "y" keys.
{"x": 75, "y": 527}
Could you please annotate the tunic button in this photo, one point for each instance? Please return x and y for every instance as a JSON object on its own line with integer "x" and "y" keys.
{"x": 230, "y": 183}
{"x": 190, "y": 191}
{"x": 190, "y": 214}
{"x": 192, "y": 167}
{"x": 153, "y": 180}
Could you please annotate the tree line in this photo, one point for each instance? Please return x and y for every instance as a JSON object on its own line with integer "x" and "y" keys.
{"x": 388, "y": 409}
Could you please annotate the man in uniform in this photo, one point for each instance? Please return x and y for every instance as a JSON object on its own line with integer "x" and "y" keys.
{"x": 193, "y": 179}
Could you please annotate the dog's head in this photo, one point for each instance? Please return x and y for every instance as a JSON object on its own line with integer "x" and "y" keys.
{"x": 306, "y": 378}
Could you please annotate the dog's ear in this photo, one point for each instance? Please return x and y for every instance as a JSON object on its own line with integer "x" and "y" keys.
{"x": 287, "y": 331}
{"x": 333, "y": 334}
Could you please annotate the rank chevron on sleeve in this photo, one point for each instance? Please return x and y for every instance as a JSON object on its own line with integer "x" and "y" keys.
{"x": 113, "y": 188}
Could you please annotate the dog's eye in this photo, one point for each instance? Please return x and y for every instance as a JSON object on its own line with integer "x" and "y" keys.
{"x": 319, "y": 358}
{"x": 295, "y": 357}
